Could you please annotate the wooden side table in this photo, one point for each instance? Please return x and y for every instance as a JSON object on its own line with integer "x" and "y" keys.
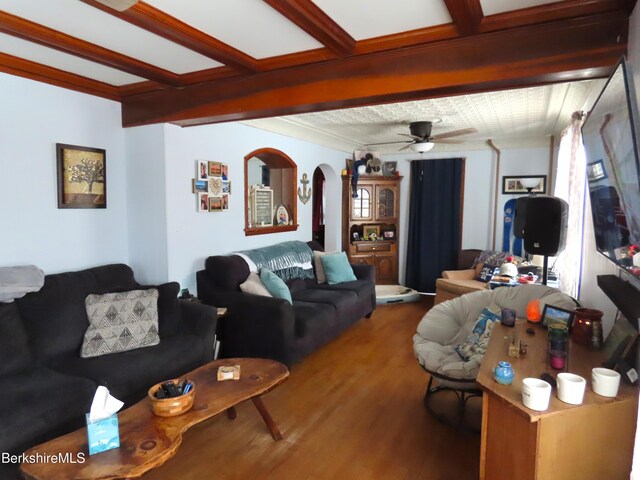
{"x": 589, "y": 441}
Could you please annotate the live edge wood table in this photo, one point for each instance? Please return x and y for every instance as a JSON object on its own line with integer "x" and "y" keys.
{"x": 566, "y": 442}
{"x": 146, "y": 440}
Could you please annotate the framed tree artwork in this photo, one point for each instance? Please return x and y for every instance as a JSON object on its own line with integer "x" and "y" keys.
{"x": 82, "y": 176}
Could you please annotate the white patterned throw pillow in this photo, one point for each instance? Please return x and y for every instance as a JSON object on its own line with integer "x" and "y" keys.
{"x": 120, "y": 321}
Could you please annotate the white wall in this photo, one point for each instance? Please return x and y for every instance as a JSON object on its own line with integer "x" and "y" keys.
{"x": 33, "y": 118}
{"x": 479, "y": 191}
{"x": 151, "y": 220}
{"x": 193, "y": 236}
{"x": 147, "y": 206}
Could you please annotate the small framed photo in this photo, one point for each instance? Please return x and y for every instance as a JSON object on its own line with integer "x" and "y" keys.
{"x": 224, "y": 171}
{"x": 225, "y": 202}
{"x": 226, "y": 186}
{"x": 215, "y": 169}
{"x": 202, "y": 169}
{"x": 552, "y": 315}
{"x": 203, "y": 202}
{"x": 596, "y": 171}
{"x": 82, "y": 176}
{"x": 368, "y": 230}
{"x": 199, "y": 186}
{"x": 215, "y": 204}
{"x": 514, "y": 186}
{"x": 355, "y": 236}
{"x": 282, "y": 215}
{"x": 389, "y": 235}
{"x": 389, "y": 168}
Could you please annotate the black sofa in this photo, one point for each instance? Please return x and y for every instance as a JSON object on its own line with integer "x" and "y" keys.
{"x": 47, "y": 387}
{"x": 257, "y": 326}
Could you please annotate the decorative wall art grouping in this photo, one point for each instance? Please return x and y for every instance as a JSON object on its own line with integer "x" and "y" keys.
{"x": 211, "y": 186}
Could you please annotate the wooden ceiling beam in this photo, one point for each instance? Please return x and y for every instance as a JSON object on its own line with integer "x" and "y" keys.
{"x": 407, "y": 39}
{"x": 53, "y": 76}
{"x": 156, "y": 21}
{"x": 33, "y": 32}
{"x": 550, "y": 12}
{"x": 466, "y": 15}
{"x": 310, "y": 18}
{"x": 579, "y": 48}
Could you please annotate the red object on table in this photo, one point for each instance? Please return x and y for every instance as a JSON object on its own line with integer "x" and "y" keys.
{"x": 533, "y": 311}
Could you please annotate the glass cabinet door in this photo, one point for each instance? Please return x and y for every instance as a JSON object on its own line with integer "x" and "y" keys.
{"x": 362, "y": 204}
{"x": 386, "y": 198}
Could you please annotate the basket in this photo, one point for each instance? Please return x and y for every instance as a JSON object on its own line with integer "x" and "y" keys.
{"x": 170, "y": 407}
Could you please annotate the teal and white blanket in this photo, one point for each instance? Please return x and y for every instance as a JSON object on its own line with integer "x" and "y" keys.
{"x": 288, "y": 260}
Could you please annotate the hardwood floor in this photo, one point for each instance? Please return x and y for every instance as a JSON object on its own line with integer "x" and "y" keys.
{"x": 352, "y": 410}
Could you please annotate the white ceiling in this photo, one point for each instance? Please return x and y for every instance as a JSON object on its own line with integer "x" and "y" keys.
{"x": 249, "y": 25}
{"x": 87, "y": 23}
{"x": 491, "y": 7}
{"x": 511, "y": 118}
{"x": 373, "y": 18}
{"x": 69, "y": 63}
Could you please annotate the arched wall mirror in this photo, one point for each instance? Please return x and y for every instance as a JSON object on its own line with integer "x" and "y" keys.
{"x": 270, "y": 192}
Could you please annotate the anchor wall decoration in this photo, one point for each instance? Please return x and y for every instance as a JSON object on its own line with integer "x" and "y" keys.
{"x": 304, "y": 193}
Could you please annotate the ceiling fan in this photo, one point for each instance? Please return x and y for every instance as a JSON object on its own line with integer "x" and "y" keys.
{"x": 421, "y": 139}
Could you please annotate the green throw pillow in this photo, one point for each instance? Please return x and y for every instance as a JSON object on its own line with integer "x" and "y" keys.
{"x": 275, "y": 285}
{"x": 337, "y": 268}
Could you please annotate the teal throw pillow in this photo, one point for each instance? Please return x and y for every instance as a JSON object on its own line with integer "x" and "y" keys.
{"x": 337, "y": 268}
{"x": 275, "y": 285}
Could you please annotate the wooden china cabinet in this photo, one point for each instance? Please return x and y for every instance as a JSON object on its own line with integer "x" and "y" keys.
{"x": 376, "y": 208}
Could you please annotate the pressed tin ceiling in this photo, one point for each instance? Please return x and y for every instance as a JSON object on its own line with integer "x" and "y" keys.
{"x": 511, "y": 118}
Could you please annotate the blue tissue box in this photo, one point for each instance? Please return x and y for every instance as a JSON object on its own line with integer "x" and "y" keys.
{"x": 103, "y": 435}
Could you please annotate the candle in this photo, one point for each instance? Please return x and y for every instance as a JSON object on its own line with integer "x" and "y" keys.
{"x": 557, "y": 361}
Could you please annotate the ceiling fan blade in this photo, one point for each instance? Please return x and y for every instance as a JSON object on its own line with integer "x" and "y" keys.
{"x": 455, "y": 133}
{"x": 405, "y": 147}
{"x": 448, "y": 141}
{"x": 415, "y": 137}
{"x": 388, "y": 143}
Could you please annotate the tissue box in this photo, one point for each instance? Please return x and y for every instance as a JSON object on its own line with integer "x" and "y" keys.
{"x": 103, "y": 434}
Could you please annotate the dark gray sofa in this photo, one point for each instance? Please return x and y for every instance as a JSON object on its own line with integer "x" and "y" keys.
{"x": 47, "y": 387}
{"x": 257, "y": 326}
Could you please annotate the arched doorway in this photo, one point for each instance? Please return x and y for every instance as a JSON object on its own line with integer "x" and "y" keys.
{"x": 332, "y": 206}
{"x": 318, "y": 205}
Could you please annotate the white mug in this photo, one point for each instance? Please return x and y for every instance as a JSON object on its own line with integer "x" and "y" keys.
{"x": 536, "y": 394}
{"x": 571, "y": 388}
{"x": 605, "y": 382}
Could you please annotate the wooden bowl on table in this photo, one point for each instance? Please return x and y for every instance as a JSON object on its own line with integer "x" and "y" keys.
{"x": 170, "y": 407}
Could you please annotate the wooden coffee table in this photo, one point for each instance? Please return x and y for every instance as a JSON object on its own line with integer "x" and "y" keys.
{"x": 146, "y": 440}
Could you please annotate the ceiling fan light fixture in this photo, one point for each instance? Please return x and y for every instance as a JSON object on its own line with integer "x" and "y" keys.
{"x": 119, "y": 5}
{"x": 421, "y": 147}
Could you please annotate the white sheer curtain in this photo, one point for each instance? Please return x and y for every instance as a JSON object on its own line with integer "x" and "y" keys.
{"x": 571, "y": 186}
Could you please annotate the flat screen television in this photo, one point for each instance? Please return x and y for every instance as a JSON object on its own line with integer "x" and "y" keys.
{"x": 613, "y": 170}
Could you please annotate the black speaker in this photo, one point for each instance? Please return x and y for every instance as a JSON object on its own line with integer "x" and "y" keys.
{"x": 520, "y": 217}
{"x": 545, "y": 231}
